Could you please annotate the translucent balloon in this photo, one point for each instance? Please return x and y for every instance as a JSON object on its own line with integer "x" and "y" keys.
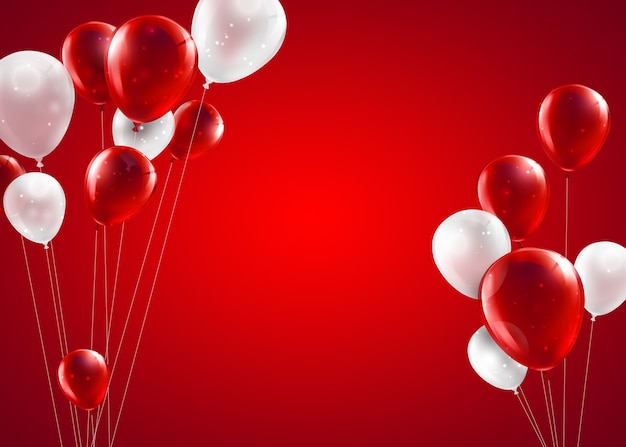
{"x": 37, "y": 103}
{"x": 465, "y": 245}
{"x": 148, "y": 138}
{"x": 34, "y": 203}
{"x": 235, "y": 38}
{"x": 602, "y": 270}
{"x": 492, "y": 364}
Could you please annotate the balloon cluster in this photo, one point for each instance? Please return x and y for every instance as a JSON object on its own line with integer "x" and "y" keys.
{"x": 144, "y": 67}
{"x": 532, "y": 300}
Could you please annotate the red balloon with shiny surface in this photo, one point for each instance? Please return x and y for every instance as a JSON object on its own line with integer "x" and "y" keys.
{"x": 573, "y": 123}
{"x": 532, "y": 303}
{"x": 197, "y": 124}
{"x": 84, "y": 378}
{"x": 149, "y": 65}
{"x": 119, "y": 182}
{"x": 83, "y": 54}
{"x": 515, "y": 189}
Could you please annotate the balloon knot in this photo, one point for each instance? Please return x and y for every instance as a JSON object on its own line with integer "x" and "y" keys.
{"x": 206, "y": 85}
{"x": 39, "y": 164}
{"x": 516, "y": 391}
{"x": 593, "y": 318}
{"x": 135, "y": 127}
{"x": 45, "y": 246}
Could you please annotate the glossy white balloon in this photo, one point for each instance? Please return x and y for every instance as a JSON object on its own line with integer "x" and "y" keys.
{"x": 34, "y": 203}
{"x": 465, "y": 245}
{"x": 150, "y": 138}
{"x": 492, "y": 364}
{"x": 235, "y": 38}
{"x": 36, "y": 103}
{"x": 602, "y": 270}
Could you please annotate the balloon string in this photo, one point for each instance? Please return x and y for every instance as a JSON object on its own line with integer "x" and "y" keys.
{"x": 158, "y": 267}
{"x": 556, "y": 436}
{"x": 105, "y": 273}
{"x": 564, "y": 393}
{"x": 566, "y": 213}
{"x": 134, "y": 296}
{"x": 62, "y": 314}
{"x": 115, "y": 281}
{"x": 546, "y": 399}
{"x": 582, "y": 406}
{"x": 107, "y": 320}
{"x": 93, "y": 293}
{"x": 59, "y": 317}
{"x": 43, "y": 347}
{"x": 75, "y": 424}
{"x": 521, "y": 390}
{"x": 102, "y": 125}
{"x": 54, "y": 305}
{"x": 530, "y": 416}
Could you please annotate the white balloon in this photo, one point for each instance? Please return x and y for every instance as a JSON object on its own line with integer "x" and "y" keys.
{"x": 34, "y": 203}
{"x": 36, "y": 103}
{"x": 492, "y": 364}
{"x": 465, "y": 245}
{"x": 150, "y": 138}
{"x": 602, "y": 270}
{"x": 235, "y": 38}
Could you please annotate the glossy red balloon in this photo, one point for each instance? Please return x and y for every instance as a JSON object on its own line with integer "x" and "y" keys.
{"x": 119, "y": 182}
{"x": 208, "y": 131}
{"x": 515, "y": 189}
{"x": 573, "y": 123}
{"x": 10, "y": 169}
{"x": 83, "y": 55}
{"x": 532, "y": 303}
{"x": 84, "y": 378}
{"x": 149, "y": 65}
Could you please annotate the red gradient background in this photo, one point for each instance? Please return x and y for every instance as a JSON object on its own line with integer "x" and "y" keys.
{"x": 297, "y": 303}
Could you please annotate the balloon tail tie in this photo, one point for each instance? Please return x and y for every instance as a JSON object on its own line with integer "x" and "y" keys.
{"x": 135, "y": 127}
{"x": 39, "y": 164}
{"x": 582, "y": 406}
{"x": 521, "y": 397}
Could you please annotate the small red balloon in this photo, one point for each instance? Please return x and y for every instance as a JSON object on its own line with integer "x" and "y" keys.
{"x": 149, "y": 65}
{"x": 119, "y": 182}
{"x": 10, "y": 169}
{"x": 208, "y": 126}
{"x": 84, "y": 378}
{"x": 573, "y": 123}
{"x": 515, "y": 189}
{"x": 532, "y": 303}
{"x": 83, "y": 55}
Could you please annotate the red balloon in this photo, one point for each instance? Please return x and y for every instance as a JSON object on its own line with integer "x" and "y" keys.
{"x": 84, "y": 378}
{"x": 10, "y": 169}
{"x": 149, "y": 65}
{"x": 119, "y": 182}
{"x": 532, "y": 303}
{"x": 573, "y": 123}
{"x": 515, "y": 189}
{"x": 83, "y": 55}
{"x": 208, "y": 130}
